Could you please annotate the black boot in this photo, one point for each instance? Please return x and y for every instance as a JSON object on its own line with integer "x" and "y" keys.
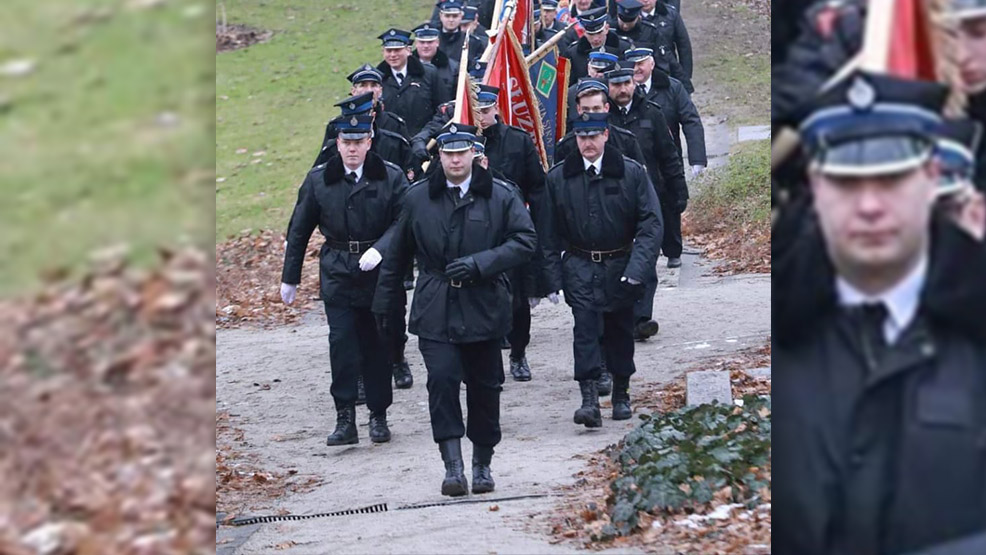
{"x": 604, "y": 385}
{"x": 588, "y": 413}
{"x": 345, "y": 432}
{"x": 519, "y": 369}
{"x": 455, "y": 483}
{"x": 482, "y": 478}
{"x": 379, "y": 432}
{"x": 402, "y": 375}
{"x": 645, "y": 329}
{"x": 621, "y": 399}
{"x": 360, "y": 391}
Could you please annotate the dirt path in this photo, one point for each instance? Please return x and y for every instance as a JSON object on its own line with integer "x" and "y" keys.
{"x": 285, "y": 426}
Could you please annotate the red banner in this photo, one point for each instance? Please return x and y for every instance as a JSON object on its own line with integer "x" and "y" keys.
{"x": 523, "y": 23}
{"x": 898, "y": 40}
{"x": 517, "y": 102}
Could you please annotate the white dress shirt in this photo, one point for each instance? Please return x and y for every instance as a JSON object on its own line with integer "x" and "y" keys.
{"x": 358, "y": 171}
{"x": 402, "y": 74}
{"x": 463, "y": 187}
{"x": 598, "y": 164}
{"x": 646, "y": 84}
{"x": 902, "y": 300}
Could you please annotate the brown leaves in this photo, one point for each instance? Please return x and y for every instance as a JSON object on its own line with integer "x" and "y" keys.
{"x": 108, "y": 384}
{"x": 248, "y": 282}
{"x": 233, "y": 37}
{"x": 739, "y": 248}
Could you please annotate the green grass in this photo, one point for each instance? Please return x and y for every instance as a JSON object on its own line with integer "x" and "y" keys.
{"x": 745, "y": 80}
{"x": 739, "y": 191}
{"x": 108, "y": 140}
{"x": 275, "y": 97}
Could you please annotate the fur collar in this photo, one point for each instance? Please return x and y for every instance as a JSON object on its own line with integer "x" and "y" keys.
{"x": 373, "y": 169}
{"x": 414, "y": 68}
{"x": 659, "y": 80}
{"x": 612, "y": 44}
{"x": 612, "y": 163}
{"x": 953, "y": 297}
{"x": 440, "y": 60}
{"x": 481, "y": 184}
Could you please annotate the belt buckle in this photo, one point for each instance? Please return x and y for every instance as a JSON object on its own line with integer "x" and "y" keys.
{"x": 455, "y": 283}
{"x": 596, "y": 256}
{"x": 354, "y": 247}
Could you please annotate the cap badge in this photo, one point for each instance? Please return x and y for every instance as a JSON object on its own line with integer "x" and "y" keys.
{"x": 354, "y": 122}
{"x": 352, "y": 105}
{"x": 861, "y": 94}
{"x": 393, "y": 32}
{"x": 452, "y": 129}
{"x": 585, "y": 116}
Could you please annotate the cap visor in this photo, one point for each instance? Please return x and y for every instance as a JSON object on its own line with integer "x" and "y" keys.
{"x": 456, "y": 146}
{"x": 589, "y": 132}
{"x": 353, "y": 135}
{"x": 874, "y": 156}
{"x": 395, "y": 44}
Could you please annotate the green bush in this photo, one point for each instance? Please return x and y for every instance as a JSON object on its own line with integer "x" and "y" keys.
{"x": 679, "y": 460}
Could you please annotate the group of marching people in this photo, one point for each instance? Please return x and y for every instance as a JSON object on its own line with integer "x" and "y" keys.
{"x": 399, "y": 186}
{"x": 879, "y": 304}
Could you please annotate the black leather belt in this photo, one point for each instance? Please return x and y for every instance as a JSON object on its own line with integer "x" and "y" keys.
{"x": 599, "y": 256}
{"x": 352, "y": 247}
{"x": 453, "y": 282}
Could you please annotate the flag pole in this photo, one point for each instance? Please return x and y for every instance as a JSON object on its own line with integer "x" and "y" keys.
{"x": 543, "y": 50}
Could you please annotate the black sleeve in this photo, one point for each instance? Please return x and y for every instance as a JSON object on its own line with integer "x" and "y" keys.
{"x": 390, "y": 286}
{"x": 691, "y": 125}
{"x": 303, "y": 222}
{"x": 672, "y": 169}
{"x": 683, "y": 45}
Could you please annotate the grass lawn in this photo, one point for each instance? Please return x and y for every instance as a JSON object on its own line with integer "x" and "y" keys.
{"x": 738, "y": 192}
{"x": 106, "y": 141}
{"x": 273, "y": 99}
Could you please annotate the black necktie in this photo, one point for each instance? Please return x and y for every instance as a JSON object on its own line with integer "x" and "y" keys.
{"x": 870, "y": 319}
{"x": 642, "y": 88}
{"x": 400, "y": 78}
{"x": 591, "y": 170}
{"x": 624, "y": 110}
{"x": 351, "y": 176}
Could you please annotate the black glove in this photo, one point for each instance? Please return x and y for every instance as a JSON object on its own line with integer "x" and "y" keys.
{"x": 462, "y": 269}
{"x": 383, "y": 324}
{"x": 630, "y": 292}
{"x": 681, "y": 204}
{"x": 419, "y": 150}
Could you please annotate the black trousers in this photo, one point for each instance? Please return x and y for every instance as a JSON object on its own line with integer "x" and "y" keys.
{"x": 355, "y": 348}
{"x": 643, "y": 309}
{"x": 520, "y": 334}
{"x": 603, "y": 334}
{"x": 480, "y": 366}
{"x": 671, "y": 244}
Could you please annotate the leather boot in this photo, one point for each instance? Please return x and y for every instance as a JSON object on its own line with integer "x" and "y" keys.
{"x": 604, "y": 385}
{"x": 621, "y": 399}
{"x": 455, "y": 483}
{"x": 345, "y": 432}
{"x": 379, "y": 432}
{"x": 520, "y": 370}
{"x": 588, "y": 413}
{"x": 482, "y": 478}
{"x": 402, "y": 375}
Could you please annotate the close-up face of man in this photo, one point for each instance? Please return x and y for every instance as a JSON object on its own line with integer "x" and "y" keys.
{"x": 592, "y": 102}
{"x": 591, "y": 146}
{"x": 426, "y": 49}
{"x": 361, "y": 87}
{"x": 353, "y": 151}
{"x": 875, "y": 225}
{"x": 548, "y": 17}
{"x": 972, "y": 53}
{"x": 457, "y": 165}
{"x": 622, "y": 93}
{"x": 628, "y": 25}
{"x": 643, "y": 69}
{"x": 451, "y": 21}
{"x": 598, "y": 39}
{"x": 396, "y": 58}
{"x": 487, "y": 116}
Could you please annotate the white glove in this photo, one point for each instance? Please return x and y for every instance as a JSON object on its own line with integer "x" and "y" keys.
{"x": 288, "y": 293}
{"x": 696, "y": 170}
{"x": 533, "y": 301}
{"x": 553, "y": 297}
{"x": 370, "y": 259}
{"x": 631, "y": 281}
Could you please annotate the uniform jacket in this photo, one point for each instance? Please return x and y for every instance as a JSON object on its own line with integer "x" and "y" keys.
{"x": 612, "y": 210}
{"x": 647, "y": 122}
{"x": 643, "y": 35}
{"x": 447, "y": 69}
{"x": 490, "y": 224}
{"x": 681, "y": 114}
{"x": 888, "y": 458}
{"x": 390, "y": 146}
{"x": 418, "y": 97}
{"x": 344, "y": 212}
{"x": 385, "y": 120}
{"x": 578, "y": 53}
{"x": 619, "y": 138}
{"x": 451, "y": 45}
{"x": 673, "y": 34}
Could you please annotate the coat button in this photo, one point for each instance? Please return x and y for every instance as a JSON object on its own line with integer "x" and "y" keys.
{"x": 857, "y": 459}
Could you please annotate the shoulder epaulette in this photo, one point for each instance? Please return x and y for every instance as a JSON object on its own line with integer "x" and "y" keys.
{"x": 397, "y": 136}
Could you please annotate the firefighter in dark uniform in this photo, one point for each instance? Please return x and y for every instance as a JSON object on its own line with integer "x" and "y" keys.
{"x": 667, "y": 92}
{"x": 879, "y": 406}
{"x": 390, "y": 146}
{"x": 484, "y": 12}
{"x": 599, "y": 63}
{"x": 471, "y": 24}
{"x": 644, "y": 119}
{"x": 465, "y": 229}
{"x": 511, "y": 151}
{"x": 353, "y": 200}
{"x": 411, "y": 89}
{"x": 631, "y": 28}
{"x": 598, "y": 36}
{"x": 674, "y": 37}
{"x": 426, "y": 50}
{"x": 601, "y": 211}
{"x": 452, "y": 36}
{"x": 593, "y": 96}
{"x": 419, "y": 143}
{"x": 575, "y": 10}
{"x": 549, "y": 19}
{"x": 957, "y": 197}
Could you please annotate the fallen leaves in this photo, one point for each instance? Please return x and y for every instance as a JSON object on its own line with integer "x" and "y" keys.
{"x": 108, "y": 384}
{"x": 233, "y": 37}
{"x": 248, "y": 272}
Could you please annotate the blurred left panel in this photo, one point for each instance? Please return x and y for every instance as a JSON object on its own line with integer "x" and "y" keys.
{"x": 107, "y": 340}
